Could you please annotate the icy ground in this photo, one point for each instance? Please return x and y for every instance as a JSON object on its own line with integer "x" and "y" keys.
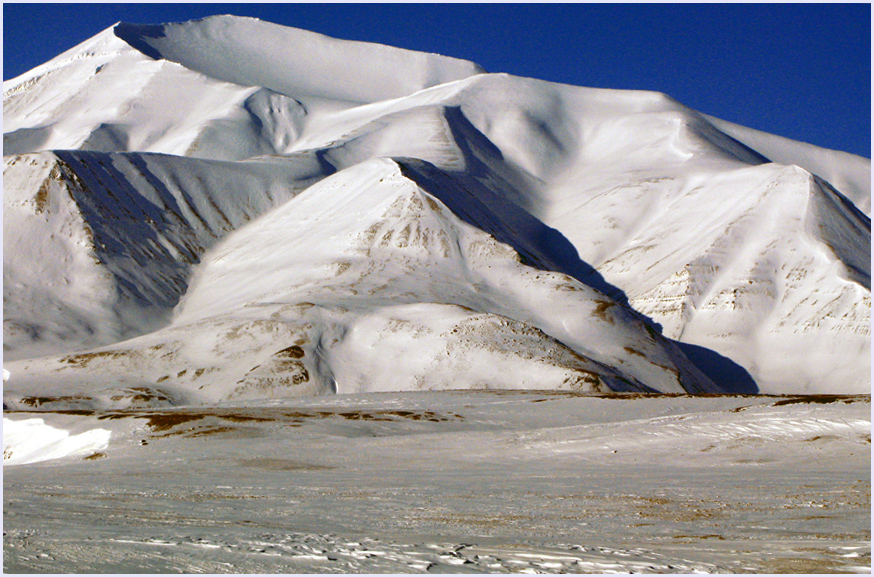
{"x": 457, "y": 481}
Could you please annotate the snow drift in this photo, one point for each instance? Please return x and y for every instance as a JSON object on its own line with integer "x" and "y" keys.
{"x": 33, "y": 441}
{"x": 227, "y": 208}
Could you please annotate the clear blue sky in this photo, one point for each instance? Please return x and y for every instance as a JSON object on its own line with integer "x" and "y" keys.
{"x": 797, "y": 70}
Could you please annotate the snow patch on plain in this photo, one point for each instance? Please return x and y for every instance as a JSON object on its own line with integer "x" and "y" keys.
{"x": 32, "y": 441}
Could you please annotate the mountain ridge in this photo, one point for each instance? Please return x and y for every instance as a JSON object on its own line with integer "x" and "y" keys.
{"x": 628, "y": 197}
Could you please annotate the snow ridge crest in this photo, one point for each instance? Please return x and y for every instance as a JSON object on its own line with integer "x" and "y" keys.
{"x": 291, "y": 61}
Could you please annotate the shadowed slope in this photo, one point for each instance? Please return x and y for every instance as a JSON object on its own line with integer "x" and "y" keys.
{"x": 104, "y": 249}
{"x": 271, "y": 313}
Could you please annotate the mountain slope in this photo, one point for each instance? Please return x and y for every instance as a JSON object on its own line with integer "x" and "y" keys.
{"x": 221, "y": 88}
{"x": 608, "y": 216}
{"x": 849, "y": 173}
{"x": 397, "y": 294}
{"x": 98, "y": 247}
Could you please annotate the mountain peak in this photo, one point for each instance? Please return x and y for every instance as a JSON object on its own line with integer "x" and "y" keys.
{"x": 380, "y": 188}
{"x": 291, "y": 61}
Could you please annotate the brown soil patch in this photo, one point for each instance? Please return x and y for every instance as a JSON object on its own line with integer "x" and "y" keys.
{"x": 292, "y": 352}
{"x": 272, "y": 464}
{"x": 820, "y": 399}
{"x": 601, "y": 310}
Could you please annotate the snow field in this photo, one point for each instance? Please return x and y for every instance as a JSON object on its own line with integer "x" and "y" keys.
{"x": 513, "y": 481}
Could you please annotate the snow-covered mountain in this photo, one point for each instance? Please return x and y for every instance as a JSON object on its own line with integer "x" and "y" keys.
{"x": 229, "y": 209}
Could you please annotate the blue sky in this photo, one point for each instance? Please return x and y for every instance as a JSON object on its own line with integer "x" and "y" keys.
{"x": 798, "y": 70}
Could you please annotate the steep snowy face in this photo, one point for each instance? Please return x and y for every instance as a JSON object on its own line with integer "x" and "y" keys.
{"x": 105, "y": 96}
{"x": 675, "y": 214}
{"x": 781, "y": 268}
{"x": 368, "y": 282}
{"x": 409, "y": 229}
{"x": 405, "y": 265}
{"x": 98, "y": 247}
{"x": 220, "y": 88}
{"x": 848, "y": 173}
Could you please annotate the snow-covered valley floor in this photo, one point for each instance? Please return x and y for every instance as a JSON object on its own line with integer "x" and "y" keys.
{"x": 458, "y": 481}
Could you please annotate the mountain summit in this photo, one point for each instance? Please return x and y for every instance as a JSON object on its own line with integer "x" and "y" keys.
{"x": 230, "y": 209}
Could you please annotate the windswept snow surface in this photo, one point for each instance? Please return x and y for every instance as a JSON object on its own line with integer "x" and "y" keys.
{"x": 461, "y": 481}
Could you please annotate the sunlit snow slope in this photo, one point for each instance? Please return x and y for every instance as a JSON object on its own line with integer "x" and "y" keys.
{"x": 228, "y": 208}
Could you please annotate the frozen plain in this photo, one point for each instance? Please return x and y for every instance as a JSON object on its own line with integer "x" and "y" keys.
{"x": 454, "y": 481}
{"x": 161, "y": 199}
